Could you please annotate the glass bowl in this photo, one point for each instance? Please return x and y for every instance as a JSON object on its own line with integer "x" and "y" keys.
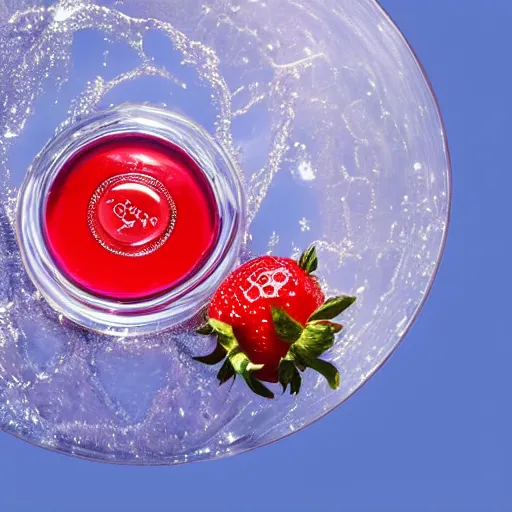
{"x": 336, "y": 138}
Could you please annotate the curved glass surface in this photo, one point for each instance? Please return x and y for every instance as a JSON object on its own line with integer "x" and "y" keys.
{"x": 337, "y": 139}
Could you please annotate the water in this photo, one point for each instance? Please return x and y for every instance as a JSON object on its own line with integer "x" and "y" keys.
{"x": 336, "y": 139}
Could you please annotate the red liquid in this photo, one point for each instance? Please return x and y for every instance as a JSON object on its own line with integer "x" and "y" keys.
{"x": 130, "y": 218}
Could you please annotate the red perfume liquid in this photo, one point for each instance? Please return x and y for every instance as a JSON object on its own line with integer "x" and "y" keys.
{"x": 130, "y": 218}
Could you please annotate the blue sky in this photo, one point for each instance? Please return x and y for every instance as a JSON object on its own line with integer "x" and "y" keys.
{"x": 431, "y": 431}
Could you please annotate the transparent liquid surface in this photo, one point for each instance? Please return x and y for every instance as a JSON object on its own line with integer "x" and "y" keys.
{"x": 337, "y": 140}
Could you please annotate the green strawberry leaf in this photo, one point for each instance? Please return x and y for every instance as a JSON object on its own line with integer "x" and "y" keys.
{"x": 239, "y": 360}
{"x": 332, "y": 308}
{"x": 254, "y": 384}
{"x": 226, "y": 337}
{"x": 328, "y": 370}
{"x": 286, "y": 373}
{"x": 309, "y": 260}
{"x": 221, "y": 328}
{"x": 230, "y": 344}
{"x": 205, "y": 329}
{"x": 289, "y": 375}
{"x": 241, "y": 363}
{"x": 226, "y": 372}
{"x": 300, "y": 366}
{"x": 254, "y": 367}
{"x": 333, "y": 325}
{"x": 295, "y": 383}
{"x": 257, "y": 386}
{"x": 287, "y": 328}
{"x": 214, "y": 358}
{"x": 315, "y": 340}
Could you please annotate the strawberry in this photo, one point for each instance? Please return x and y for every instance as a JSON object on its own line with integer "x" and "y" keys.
{"x": 272, "y": 322}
